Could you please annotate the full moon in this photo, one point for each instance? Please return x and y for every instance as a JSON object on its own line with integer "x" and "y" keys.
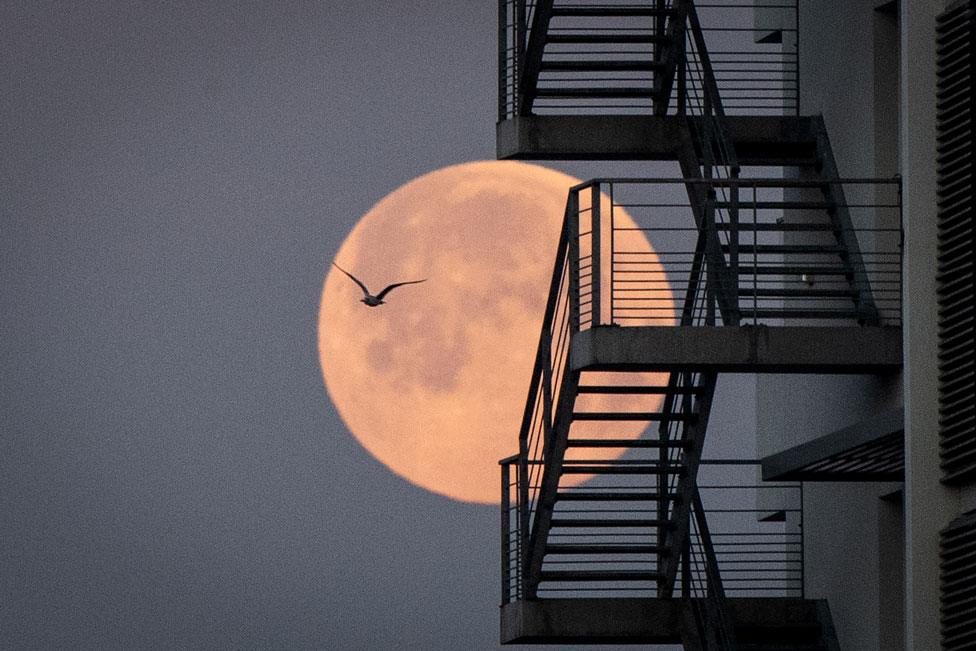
{"x": 433, "y": 383}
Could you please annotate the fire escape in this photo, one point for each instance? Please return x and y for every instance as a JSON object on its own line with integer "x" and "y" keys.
{"x": 759, "y": 258}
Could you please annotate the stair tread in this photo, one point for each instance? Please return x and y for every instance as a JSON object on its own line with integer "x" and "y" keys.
{"x": 583, "y": 39}
{"x": 600, "y": 66}
{"x": 610, "y": 11}
{"x": 794, "y": 270}
{"x": 775, "y": 227}
{"x": 624, "y": 443}
{"x": 619, "y": 470}
{"x": 798, "y": 293}
{"x": 616, "y": 496}
{"x": 600, "y": 575}
{"x": 766, "y": 205}
{"x": 571, "y": 548}
{"x": 584, "y": 93}
{"x": 633, "y": 415}
{"x": 612, "y": 523}
{"x": 637, "y": 389}
{"x": 788, "y": 248}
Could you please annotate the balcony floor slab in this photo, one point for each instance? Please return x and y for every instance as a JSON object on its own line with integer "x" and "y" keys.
{"x": 740, "y": 349}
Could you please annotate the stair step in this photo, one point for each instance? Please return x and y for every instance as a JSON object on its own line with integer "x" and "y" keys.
{"x": 619, "y": 469}
{"x": 774, "y": 227}
{"x": 625, "y": 443}
{"x": 639, "y": 390}
{"x": 801, "y": 249}
{"x": 798, "y": 293}
{"x": 609, "y": 523}
{"x": 600, "y": 575}
{"x": 747, "y": 313}
{"x": 599, "y": 496}
{"x": 592, "y": 39}
{"x": 602, "y": 66}
{"x": 777, "y": 205}
{"x": 610, "y": 11}
{"x": 594, "y": 93}
{"x": 798, "y": 270}
{"x": 569, "y": 548}
{"x": 649, "y": 416}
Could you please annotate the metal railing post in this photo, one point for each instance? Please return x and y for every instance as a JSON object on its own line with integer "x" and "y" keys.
{"x": 502, "y": 60}
{"x": 573, "y": 252}
{"x": 596, "y": 259}
{"x": 506, "y": 533}
{"x": 521, "y": 31}
{"x": 611, "y": 235}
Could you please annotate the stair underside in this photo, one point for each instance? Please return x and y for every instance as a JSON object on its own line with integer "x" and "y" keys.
{"x": 790, "y": 623}
{"x": 758, "y": 140}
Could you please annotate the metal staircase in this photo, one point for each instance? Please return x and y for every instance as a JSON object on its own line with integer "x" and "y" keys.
{"x": 613, "y": 53}
{"x": 603, "y": 500}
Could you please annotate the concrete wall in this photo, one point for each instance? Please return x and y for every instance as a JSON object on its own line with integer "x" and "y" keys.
{"x": 849, "y": 55}
{"x": 929, "y": 506}
{"x": 869, "y": 68}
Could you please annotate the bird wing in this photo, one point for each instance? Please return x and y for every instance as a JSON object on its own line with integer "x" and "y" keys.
{"x": 355, "y": 280}
{"x": 387, "y": 289}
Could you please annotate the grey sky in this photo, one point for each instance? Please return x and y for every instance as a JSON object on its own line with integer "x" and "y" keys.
{"x": 176, "y": 177}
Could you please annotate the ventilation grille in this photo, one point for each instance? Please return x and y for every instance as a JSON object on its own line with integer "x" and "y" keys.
{"x": 955, "y": 145}
{"x": 957, "y": 572}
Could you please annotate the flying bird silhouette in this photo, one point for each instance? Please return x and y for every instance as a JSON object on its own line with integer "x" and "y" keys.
{"x": 369, "y": 299}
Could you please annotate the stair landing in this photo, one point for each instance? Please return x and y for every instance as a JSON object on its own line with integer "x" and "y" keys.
{"x": 740, "y": 349}
{"x": 758, "y": 140}
{"x": 788, "y": 623}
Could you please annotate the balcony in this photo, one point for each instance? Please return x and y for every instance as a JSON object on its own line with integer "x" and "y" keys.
{"x": 765, "y": 275}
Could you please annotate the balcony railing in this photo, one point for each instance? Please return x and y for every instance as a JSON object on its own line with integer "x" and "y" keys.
{"x": 751, "y": 49}
{"x": 756, "y": 532}
{"x": 765, "y": 251}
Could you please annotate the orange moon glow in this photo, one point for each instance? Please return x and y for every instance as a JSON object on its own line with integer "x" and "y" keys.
{"x": 433, "y": 383}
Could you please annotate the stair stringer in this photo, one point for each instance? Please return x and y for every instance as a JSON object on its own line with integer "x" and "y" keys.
{"x": 673, "y": 54}
{"x": 551, "y": 472}
{"x": 694, "y": 437}
{"x": 844, "y": 226}
{"x": 827, "y": 633}
{"x": 726, "y": 294}
{"x": 534, "y": 49}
